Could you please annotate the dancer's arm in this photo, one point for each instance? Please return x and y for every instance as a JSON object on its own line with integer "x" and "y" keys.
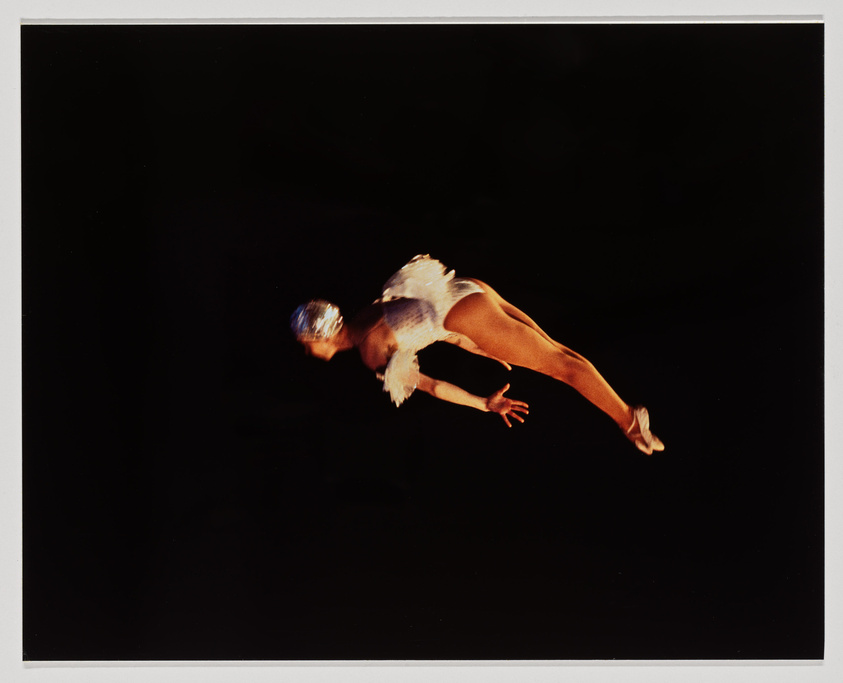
{"x": 496, "y": 403}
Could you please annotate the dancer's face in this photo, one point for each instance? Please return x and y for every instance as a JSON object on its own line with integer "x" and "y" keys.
{"x": 324, "y": 349}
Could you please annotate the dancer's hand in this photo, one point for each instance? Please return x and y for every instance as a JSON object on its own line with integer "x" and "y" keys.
{"x": 506, "y": 407}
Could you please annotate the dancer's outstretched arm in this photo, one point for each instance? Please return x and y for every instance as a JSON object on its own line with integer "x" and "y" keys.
{"x": 496, "y": 403}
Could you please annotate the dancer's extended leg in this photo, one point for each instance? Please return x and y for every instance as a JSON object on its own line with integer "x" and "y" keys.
{"x": 515, "y": 312}
{"x": 519, "y": 341}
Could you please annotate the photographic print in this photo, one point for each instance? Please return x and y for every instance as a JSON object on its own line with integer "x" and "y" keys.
{"x": 608, "y": 217}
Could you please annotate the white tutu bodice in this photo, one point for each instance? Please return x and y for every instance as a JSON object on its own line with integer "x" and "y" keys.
{"x": 418, "y": 298}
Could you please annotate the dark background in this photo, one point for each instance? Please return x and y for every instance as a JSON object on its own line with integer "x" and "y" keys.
{"x": 196, "y": 488}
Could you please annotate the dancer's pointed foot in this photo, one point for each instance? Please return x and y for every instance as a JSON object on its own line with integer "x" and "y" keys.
{"x": 639, "y": 432}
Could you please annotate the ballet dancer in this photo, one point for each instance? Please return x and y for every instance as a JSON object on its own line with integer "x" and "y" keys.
{"x": 422, "y": 304}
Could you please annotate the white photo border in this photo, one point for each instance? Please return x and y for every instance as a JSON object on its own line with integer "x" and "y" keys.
{"x": 14, "y": 13}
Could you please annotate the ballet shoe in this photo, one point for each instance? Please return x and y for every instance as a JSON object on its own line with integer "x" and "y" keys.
{"x": 639, "y": 432}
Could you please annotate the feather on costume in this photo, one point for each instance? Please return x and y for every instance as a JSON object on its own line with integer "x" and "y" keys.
{"x": 418, "y": 298}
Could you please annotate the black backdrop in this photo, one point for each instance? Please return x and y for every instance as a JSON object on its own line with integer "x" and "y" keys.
{"x": 196, "y": 488}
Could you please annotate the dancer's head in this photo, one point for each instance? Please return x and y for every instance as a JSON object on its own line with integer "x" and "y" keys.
{"x": 316, "y": 325}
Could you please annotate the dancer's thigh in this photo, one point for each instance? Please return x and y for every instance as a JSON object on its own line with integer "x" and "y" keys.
{"x": 482, "y": 319}
{"x": 519, "y": 315}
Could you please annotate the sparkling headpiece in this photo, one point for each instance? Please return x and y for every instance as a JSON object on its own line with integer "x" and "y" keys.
{"x": 317, "y": 319}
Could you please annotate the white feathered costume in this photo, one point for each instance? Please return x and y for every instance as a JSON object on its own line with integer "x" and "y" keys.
{"x": 419, "y": 297}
